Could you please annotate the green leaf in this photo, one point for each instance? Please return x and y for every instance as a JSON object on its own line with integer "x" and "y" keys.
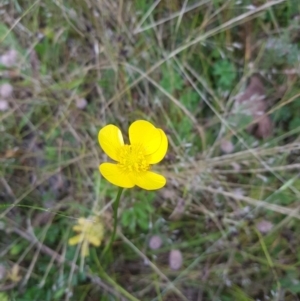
{"x": 294, "y": 123}
{"x": 3, "y": 297}
{"x": 190, "y": 99}
{"x": 239, "y": 294}
{"x": 16, "y": 249}
{"x": 282, "y": 114}
{"x": 225, "y": 73}
{"x": 283, "y": 198}
{"x": 107, "y": 81}
{"x": 138, "y": 215}
{"x": 132, "y": 225}
{"x": 185, "y": 127}
{"x": 143, "y": 223}
{"x": 59, "y": 293}
{"x": 142, "y": 6}
{"x": 127, "y": 217}
{"x": 291, "y": 283}
{"x": 8, "y": 39}
{"x": 171, "y": 80}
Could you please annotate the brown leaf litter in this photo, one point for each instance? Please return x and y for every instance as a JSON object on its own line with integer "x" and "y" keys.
{"x": 254, "y": 102}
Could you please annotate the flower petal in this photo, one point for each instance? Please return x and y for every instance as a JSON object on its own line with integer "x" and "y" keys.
{"x": 96, "y": 241}
{"x": 162, "y": 150}
{"x": 78, "y": 228}
{"x": 81, "y": 221}
{"x": 150, "y": 180}
{"x": 111, "y": 139}
{"x": 112, "y": 173}
{"x": 144, "y": 133}
{"x": 75, "y": 240}
{"x": 85, "y": 248}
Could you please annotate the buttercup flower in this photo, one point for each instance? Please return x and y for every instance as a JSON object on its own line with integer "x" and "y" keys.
{"x": 148, "y": 146}
{"x": 91, "y": 231}
{"x": 14, "y": 274}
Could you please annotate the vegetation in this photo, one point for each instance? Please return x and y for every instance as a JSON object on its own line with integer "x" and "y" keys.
{"x": 220, "y": 77}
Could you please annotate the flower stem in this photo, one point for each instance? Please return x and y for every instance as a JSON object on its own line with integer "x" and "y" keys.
{"x": 111, "y": 281}
{"x": 115, "y": 206}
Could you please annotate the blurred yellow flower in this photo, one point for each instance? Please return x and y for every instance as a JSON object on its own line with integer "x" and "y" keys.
{"x": 148, "y": 145}
{"x": 91, "y": 231}
{"x": 14, "y": 274}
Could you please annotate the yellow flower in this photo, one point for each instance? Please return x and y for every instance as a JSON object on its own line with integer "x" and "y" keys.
{"x": 14, "y": 274}
{"x": 91, "y": 232}
{"x": 148, "y": 145}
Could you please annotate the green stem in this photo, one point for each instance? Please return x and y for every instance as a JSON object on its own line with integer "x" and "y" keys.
{"x": 115, "y": 206}
{"x": 111, "y": 281}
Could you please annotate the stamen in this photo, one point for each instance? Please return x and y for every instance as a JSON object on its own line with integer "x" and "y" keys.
{"x": 132, "y": 158}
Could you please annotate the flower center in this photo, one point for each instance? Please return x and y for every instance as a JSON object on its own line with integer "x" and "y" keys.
{"x": 92, "y": 228}
{"x": 132, "y": 158}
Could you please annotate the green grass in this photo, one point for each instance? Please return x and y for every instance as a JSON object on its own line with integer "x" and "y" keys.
{"x": 180, "y": 65}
